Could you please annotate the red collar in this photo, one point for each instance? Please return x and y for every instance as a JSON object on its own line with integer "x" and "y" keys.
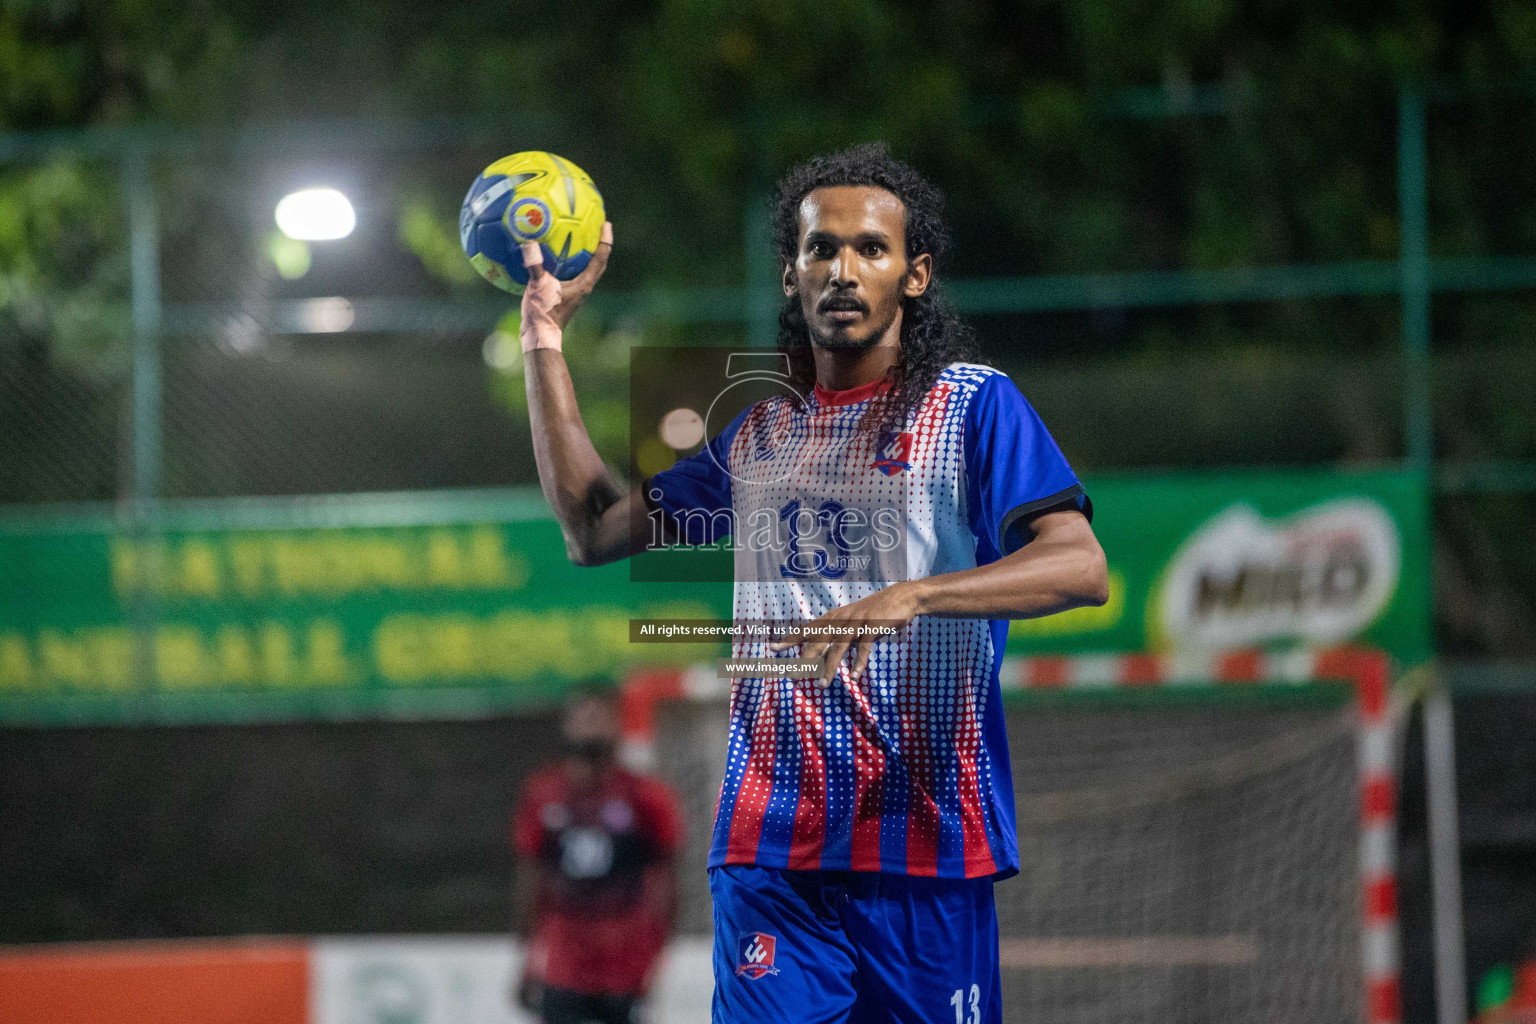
{"x": 852, "y": 396}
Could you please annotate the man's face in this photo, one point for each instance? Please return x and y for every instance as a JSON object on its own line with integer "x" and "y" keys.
{"x": 591, "y": 725}
{"x": 851, "y": 271}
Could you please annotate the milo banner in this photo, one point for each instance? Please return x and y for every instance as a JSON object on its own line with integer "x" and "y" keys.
{"x": 456, "y": 607}
{"x": 1254, "y": 560}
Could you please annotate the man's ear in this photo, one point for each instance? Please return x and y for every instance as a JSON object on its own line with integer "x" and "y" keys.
{"x": 919, "y": 275}
{"x": 789, "y": 279}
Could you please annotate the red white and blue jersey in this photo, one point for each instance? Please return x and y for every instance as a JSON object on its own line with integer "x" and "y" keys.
{"x": 905, "y": 771}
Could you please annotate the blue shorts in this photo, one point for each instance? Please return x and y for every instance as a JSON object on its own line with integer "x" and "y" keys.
{"x": 845, "y": 947}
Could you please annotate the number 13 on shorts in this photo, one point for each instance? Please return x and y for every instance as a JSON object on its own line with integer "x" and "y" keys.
{"x": 958, "y": 1001}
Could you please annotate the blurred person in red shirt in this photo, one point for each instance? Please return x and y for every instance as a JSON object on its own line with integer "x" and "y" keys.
{"x": 596, "y": 877}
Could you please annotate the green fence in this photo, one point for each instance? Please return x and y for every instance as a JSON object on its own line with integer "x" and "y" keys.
{"x": 149, "y": 164}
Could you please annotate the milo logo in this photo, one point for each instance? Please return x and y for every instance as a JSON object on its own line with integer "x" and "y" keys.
{"x": 1322, "y": 575}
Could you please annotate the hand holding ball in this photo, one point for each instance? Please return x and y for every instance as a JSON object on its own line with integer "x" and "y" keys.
{"x": 534, "y": 220}
{"x": 546, "y": 298}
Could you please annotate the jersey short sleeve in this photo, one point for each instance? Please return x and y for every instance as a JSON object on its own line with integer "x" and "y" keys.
{"x": 700, "y": 484}
{"x": 660, "y": 817}
{"x": 1014, "y": 470}
{"x": 527, "y": 826}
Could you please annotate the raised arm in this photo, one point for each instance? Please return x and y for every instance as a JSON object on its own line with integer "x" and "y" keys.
{"x": 601, "y": 522}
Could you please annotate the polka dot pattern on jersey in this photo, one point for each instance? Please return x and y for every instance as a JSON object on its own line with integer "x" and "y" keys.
{"x": 893, "y": 772}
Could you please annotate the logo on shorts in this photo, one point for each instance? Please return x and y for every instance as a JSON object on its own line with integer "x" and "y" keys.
{"x": 529, "y": 218}
{"x": 755, "y": 955}
{"x": 892, "y": 452}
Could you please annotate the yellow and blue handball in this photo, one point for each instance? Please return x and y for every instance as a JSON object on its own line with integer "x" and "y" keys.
{"x": 530, "y": 197}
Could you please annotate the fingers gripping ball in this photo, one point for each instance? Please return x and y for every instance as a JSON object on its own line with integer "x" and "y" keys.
{"x": 546, "y": 304}
{"x": 536, "y": 198}
{"x": 539, "y": 328}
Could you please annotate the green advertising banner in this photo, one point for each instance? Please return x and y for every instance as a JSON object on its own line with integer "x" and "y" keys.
{"x": 1254, "y": 559}
{"x": 433, "y": 608}
{"x": 466, "y": 605}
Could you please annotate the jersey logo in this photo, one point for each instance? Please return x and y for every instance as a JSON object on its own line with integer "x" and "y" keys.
{"x": 892, "y": 452}
{"x": 755, "y": 955}
{"x": 585, "y": 853}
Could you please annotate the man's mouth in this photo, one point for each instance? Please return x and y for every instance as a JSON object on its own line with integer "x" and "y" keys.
{"x": 842, "y": 310}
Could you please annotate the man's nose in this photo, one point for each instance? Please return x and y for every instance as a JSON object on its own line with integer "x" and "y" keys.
{"x": 845, "y": 268}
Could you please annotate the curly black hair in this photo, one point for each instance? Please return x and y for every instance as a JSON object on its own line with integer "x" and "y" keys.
{"x": 932, "y": 336}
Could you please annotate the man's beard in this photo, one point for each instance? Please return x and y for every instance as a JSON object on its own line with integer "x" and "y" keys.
{"x": 838, "y": 341}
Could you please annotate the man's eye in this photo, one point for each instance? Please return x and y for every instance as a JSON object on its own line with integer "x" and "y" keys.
{"x": 822, "y": 250}
{"x": 872, "y": 250}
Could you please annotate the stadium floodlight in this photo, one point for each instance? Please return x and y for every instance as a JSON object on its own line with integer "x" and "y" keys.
{"x": 316, "y": 215}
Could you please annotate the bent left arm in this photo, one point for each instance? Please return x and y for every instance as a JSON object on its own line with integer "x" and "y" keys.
{"x": 1061, "y": 567}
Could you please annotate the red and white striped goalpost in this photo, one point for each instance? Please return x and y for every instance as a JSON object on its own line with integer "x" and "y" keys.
{"x": 1368, "y": 671}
